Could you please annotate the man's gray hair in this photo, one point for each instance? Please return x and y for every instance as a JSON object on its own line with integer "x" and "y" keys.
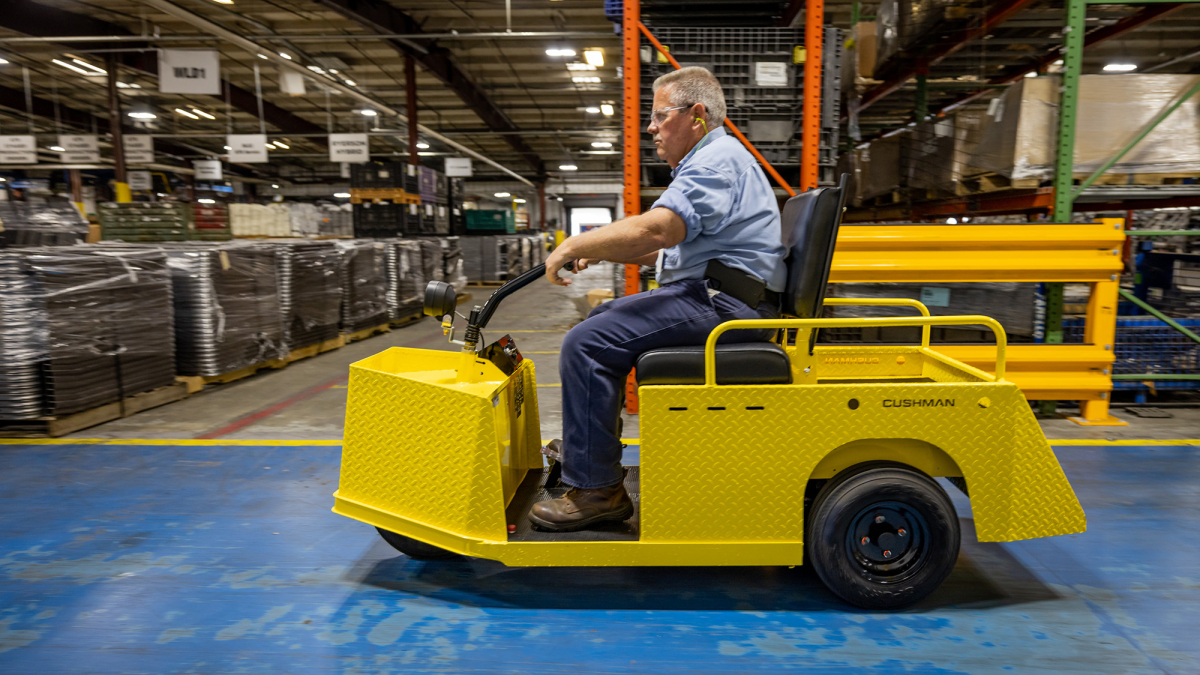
{"x": 693, "y": 85}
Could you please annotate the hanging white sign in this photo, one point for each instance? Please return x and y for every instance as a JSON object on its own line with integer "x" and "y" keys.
{"x": 207, "y": 169}
{"x": 291, "y": 82}
{"x": 189, "y": 71}
{"x": 79, "y": 149}
{"x": 139, "y": 181}
{"x": 459, "y": 166}
{"x": 139, "y": 148}
{"x": 349, "y": 148}
{"x": 247, "y": 148}
{"x": 18, "y": 150}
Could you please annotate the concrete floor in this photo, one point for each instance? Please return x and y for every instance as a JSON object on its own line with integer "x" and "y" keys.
{"x": 220, "y": 555}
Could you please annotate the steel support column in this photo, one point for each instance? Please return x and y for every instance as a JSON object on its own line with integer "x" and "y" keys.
{"x": 120, "y": 183}
{"x": 631, "y": 149}
{"x": 810, "y": 151}
{"x": 410, "y": 99}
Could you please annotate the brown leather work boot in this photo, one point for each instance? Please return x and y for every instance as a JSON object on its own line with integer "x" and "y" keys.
{"x": 580, "y": 509}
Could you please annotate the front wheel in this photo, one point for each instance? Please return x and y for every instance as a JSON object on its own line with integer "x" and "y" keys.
{"x": 417, "y": 550}
{"x": 882, "y": 535}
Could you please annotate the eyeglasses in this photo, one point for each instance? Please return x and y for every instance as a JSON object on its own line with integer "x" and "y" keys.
{"x": 659, "y": 116}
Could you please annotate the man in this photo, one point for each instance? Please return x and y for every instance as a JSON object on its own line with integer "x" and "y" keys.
{"x": 715, "y": 227}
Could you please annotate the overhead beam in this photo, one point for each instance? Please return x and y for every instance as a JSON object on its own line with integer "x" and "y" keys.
{"x": 31, "y": 18}
{"x": 229, "y": 36}
{"x": 381, "y": 17}
{"x": 995, "y": 16}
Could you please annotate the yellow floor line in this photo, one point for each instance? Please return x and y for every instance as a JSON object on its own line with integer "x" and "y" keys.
{"x": 627, "y": 441}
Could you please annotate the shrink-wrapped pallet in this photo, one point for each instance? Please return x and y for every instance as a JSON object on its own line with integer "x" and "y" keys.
{"x": 1017, "y": 133}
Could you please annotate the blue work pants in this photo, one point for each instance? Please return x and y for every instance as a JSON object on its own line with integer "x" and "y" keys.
{"x": 598, "y": 354}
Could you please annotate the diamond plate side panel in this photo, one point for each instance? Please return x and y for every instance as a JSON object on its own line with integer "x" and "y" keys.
{"x": 719, "y": 472}
{"x": 423, "y": 452}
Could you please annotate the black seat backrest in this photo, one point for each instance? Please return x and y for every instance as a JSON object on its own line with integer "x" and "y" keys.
{"x": 810, "y": 223}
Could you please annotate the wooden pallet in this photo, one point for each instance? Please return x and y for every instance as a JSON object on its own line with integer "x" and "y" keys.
{"x": 196, "y": 382}
{"x": 407, "y": 320}
{"x": 992, "y": 182}
{"x": 368, "y": 332}
{"x": 53, "y": 427}
{"x": 462, "y": 298}
{"x": 397, "y": 195}
{"x": 1142, "y": 178}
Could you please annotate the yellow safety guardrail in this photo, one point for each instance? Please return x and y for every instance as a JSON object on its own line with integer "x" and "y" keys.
{"x": 710, "y": 346}
{"x": 1078, "y": 253}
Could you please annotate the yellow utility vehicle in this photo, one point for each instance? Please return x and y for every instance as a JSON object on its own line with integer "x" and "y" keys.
{"x": 768, "y": 453}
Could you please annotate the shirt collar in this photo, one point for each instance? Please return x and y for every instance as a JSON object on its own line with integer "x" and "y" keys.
{"x": 711, "y": 136}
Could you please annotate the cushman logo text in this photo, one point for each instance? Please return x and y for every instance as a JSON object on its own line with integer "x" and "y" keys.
{"x": 850, "y": 360}
{"x": 918, "y": 403}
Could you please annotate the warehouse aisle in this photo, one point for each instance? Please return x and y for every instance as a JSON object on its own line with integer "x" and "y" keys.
{"x": 307, "y": 400}
{"x": 210, "y": 558}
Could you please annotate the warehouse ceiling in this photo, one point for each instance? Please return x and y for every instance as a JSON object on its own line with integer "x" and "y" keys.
{"x": 498, "y": 95}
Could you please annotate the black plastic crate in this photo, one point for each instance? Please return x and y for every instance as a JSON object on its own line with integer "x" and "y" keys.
{"x": 377, "y": 175}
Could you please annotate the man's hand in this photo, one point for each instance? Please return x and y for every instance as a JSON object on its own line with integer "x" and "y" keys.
{"x": 555, "y": 262}
{"x": 584, "y": 263}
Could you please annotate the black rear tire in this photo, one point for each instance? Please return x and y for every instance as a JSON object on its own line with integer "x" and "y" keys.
{"x": 417, "y": 550}
{"x": 882, "y": 535}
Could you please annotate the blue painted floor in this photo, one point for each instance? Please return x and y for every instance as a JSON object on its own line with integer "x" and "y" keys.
{"x": 226, "y": 559}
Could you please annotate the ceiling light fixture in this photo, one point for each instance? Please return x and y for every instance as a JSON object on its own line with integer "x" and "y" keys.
{"x": 94, "y": 69}
{"x": 502, "y": 195}
{"x": 584, "y": 80}
{"x": 368, "y": 112}
{"x": 580, "y": 66}
{"x": 601, "y": 144}
{"x": 607, "y": 109}
{"x": 1032, "y": 73}
{"x": 283, "y": 145}
{"x": 594, "y": 57}
{"x": 1119, "y": 67}
{"x": 68, "y": 66}
{"x": 142, "y": 115}
{"x": 58, "y": 148}
{"x": 203, "y": 114}
{"x": 275, "y": 185}
{"x": 207, "y": 201}
{"x": 560, "y": 52}
{"x": 223, "y": 2}
{"x": 351, "y": 83}
{"x": 271, "y": 146}
{"x": 3, "y": 61}
{"x": 594, "y": 110}
{"x": 342, "y": 195}
{"x": 518, "y": 201}
{"x": 289, "y": 58}
{"x": 316, "y": 69}
{"x": 122, "y": 85}
{"x": 422, "y": 146}
{"x": 185, "y": 113}
{"x": 568, "y": 167}
{"x": 263, "y": 57}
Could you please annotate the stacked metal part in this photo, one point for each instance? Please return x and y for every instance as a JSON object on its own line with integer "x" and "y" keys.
{"x": 22, "y": 340}
{"x": 109, "y": 324}
{"x": 431, "y": 259}
{"x": 483, "y": 258}
{"x": 364, "y": 284}
{"x": 227, "y": 314}
{"x": 310, "y": 291}
{"x": 405, "y": 278}
{"x": 53, "y": 223}
{"x": 452, "y": 262}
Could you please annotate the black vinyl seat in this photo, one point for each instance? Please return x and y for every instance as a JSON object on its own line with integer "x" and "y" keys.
{"x": 739, "y": 363}
{"x": 810, "y": 223}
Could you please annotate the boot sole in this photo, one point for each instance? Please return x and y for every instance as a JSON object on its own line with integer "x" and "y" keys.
{"x": 613, "y": 516}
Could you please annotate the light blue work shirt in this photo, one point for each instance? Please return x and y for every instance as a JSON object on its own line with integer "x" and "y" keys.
{"x": 731, "y": 213}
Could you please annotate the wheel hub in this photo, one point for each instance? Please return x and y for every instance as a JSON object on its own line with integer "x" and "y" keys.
{"x": 888, "y": 541}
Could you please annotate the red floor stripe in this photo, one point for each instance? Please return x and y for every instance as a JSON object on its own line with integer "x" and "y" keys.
{"x": 247, "y": 420}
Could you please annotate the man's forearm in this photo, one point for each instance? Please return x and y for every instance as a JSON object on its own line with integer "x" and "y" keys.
{"x": 648, "y": 259}
{"x": 637, "y": 238}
